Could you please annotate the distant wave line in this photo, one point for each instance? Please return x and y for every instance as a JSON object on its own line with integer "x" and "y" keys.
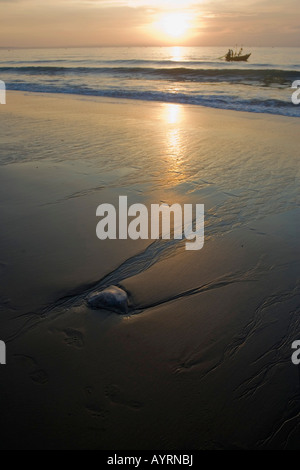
{"x": 267, "y": 76}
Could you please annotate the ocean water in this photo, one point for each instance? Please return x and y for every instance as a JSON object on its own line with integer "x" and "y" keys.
{"x": 193, "y": 75}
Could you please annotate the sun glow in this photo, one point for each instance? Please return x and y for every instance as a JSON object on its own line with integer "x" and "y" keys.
{"x": 174, "y": 25}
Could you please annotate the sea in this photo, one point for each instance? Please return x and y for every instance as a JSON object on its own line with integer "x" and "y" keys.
{"x": 191, "y": 75}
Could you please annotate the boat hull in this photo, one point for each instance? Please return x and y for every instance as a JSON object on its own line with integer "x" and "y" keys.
{"x": 241, "y": 58}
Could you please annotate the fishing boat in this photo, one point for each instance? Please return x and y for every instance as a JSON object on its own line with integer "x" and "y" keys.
{"x": 236, "y": 56}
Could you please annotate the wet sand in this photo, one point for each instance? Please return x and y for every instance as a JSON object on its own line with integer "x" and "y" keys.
{"x": 203, "y": 359}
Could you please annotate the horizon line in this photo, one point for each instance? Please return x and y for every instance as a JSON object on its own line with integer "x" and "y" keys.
{"x": 140, "y": 45}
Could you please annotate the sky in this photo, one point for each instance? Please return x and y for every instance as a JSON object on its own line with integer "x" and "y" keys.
{"x": 54, "y": 23}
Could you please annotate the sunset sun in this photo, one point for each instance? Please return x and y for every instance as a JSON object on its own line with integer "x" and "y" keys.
{"x": 174, "y": 25}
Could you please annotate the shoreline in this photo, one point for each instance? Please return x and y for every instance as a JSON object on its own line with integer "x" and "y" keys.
{"x": 108, "y": 99}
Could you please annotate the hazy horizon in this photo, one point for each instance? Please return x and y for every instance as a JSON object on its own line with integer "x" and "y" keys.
{"x": 140, "y": 23}
{"x": 99, "y": 46}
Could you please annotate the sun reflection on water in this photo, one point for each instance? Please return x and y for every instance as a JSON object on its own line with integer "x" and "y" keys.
{"x": 173, "y": 113}
{"x": 177, "y": 53}
{"x": 174, "y": 148}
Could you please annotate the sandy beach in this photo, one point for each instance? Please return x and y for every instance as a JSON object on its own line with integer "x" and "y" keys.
{"x": 203, "y": 359}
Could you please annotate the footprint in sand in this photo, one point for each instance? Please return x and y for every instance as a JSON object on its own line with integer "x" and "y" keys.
{"x": 74, "y": 338}
{"x": 115, "y": 395}
{"x": 39, "y": 376}
{"x": 36, "y": 374}
{"x": 97, "y": 412}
